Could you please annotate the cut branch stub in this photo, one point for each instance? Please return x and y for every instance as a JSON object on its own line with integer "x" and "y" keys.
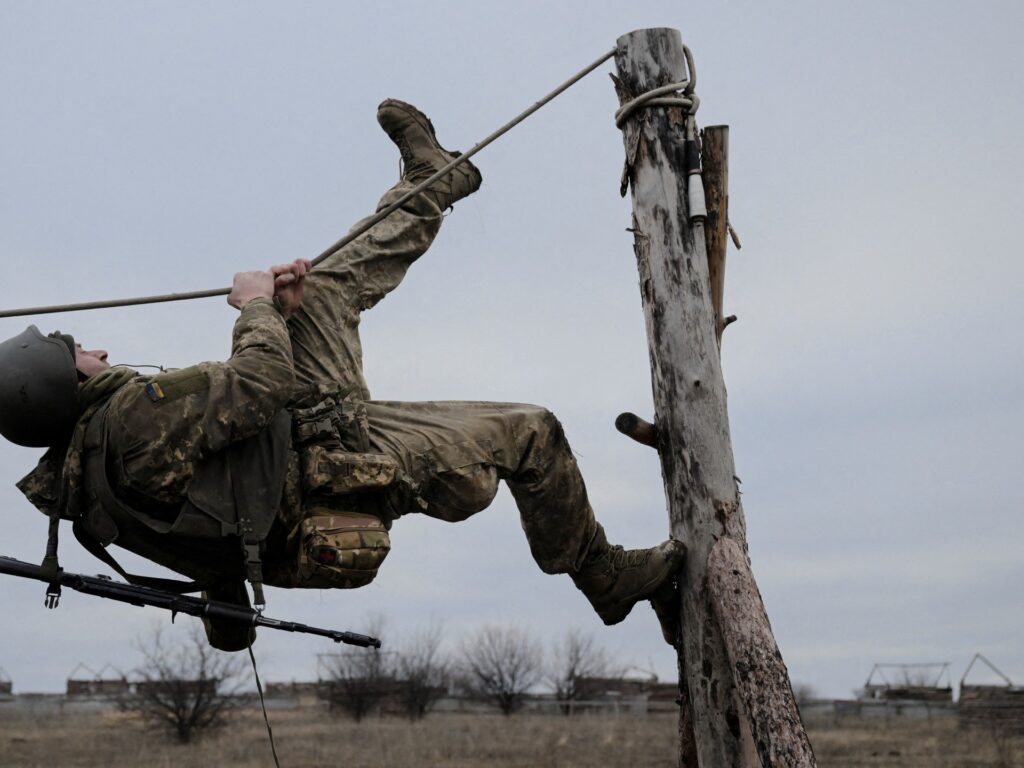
{"x": 636, "y": 428}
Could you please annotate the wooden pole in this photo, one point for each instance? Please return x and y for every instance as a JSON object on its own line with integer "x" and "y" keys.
{"x": 692, "y": 426}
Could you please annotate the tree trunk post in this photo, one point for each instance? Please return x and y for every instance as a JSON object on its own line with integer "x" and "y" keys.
{"x": 728, "y": 688}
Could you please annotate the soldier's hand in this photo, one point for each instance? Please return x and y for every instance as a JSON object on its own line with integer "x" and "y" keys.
{"x": 289, "y": 283}
{"x": 250, "y": 285}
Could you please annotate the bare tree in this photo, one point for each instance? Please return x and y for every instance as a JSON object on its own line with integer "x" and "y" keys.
{"x": 500, "y": 664}
{"x": 573, "y": 658}
{"x": 423, "y": 672}
{"x": 357, "y": 682}
{"x": 185, "y": 688}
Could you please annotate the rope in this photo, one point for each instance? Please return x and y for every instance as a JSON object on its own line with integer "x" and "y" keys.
{"x": 339, "y": 244}
{"x": 682, "y": 96}
{"x": 263, "y": 705}
{"x": 688, "y": 100}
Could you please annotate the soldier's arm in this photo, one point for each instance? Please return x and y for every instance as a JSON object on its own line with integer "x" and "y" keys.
{"x": 158, "y": 431}
{"x": 248, "y": 390}
{"x": 179, "y": 415}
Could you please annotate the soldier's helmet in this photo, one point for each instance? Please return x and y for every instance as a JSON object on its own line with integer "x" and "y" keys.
{"x": 38, "y": 388}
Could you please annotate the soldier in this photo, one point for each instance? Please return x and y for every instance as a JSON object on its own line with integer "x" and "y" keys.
{"x": 281, "y": 448}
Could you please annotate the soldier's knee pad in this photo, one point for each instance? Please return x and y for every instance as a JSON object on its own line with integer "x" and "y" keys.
{"x": 456, "y": 494}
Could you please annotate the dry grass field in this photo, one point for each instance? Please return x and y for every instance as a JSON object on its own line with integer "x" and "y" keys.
{"x": 313, "y": 739}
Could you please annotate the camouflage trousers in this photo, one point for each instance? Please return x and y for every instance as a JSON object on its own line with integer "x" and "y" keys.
{"x": 452, "y": 454}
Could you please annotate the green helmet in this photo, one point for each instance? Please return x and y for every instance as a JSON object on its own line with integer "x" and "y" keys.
{"x": 38, "y": 388}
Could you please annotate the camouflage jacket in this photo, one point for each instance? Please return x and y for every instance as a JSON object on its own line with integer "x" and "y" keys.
{"x": 159, "y": 428}
{"x": 157, "y": 431}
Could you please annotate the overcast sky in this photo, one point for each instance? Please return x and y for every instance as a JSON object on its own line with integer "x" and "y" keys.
{"x": 876, "y": 376}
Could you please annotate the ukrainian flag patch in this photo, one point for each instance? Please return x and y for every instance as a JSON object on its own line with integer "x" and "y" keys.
{"x": 155, "y": 392}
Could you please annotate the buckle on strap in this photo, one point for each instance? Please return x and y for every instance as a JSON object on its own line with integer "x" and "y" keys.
{"x": 254, "y": 572}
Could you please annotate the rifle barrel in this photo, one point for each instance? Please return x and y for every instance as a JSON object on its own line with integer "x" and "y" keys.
{"x": 101, "y": 586}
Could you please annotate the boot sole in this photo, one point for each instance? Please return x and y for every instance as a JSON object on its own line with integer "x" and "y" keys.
{"x": 617, "y": 614}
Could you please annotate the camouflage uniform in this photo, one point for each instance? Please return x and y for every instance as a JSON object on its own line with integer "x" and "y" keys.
{"x": 450, "y": 455}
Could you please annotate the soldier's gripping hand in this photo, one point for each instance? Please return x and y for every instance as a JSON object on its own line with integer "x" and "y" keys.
{"x": 250, "y": 285}
{"x": 289, "y": 282}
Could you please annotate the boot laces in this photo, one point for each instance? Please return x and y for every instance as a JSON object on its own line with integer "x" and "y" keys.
{"x": 621, "y": 559}
{"x": 409, "y": 167}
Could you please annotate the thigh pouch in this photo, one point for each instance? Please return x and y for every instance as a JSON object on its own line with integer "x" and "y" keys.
{"x": 340, "y": 550}
{"x": 341, "y": 539}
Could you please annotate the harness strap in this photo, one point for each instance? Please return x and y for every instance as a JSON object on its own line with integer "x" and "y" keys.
{"x": 51, "y": 565}
{"x": 167, "y": 585}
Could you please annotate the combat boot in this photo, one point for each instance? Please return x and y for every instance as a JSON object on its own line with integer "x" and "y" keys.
{"x": 422, "y": 156}
{"x": 615, "y": 579}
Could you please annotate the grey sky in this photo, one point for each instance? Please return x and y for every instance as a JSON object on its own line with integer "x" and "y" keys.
{"x": 876, "y": 377}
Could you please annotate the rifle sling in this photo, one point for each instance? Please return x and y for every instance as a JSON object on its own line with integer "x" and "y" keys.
{"x": 94, "y": 548}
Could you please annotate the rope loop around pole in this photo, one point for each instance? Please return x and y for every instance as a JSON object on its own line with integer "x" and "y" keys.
{"x": 682, "y": 95}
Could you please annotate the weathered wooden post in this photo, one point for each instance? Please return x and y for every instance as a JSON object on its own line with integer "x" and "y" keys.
{"x": 735, "y": 688}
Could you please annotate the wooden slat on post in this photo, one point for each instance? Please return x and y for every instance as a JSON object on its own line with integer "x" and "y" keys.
{"x": 714, "y": 152}
{"x": 692, "y": 420}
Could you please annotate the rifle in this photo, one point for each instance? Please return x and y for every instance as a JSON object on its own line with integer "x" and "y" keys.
{"x": 104, "y": 586}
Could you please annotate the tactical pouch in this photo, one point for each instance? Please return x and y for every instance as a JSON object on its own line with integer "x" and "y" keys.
{"x": 328, "y": 471}
{"x": 340, "y": 550}
{"x": 332, "y": 421}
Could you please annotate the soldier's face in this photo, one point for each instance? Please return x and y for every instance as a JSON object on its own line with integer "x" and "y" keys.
{"x": 90, "y": 361}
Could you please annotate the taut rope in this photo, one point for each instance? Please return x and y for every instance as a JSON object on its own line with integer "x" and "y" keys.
{"x": 338, "y": 245}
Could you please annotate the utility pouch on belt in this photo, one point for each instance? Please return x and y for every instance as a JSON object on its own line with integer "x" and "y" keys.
{"x": 340, "y": 550}
{"x": 329, "y": 471}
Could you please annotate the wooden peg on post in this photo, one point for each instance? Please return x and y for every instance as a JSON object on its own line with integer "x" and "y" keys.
{"x": 728, "y": 685}
{"x": 633, "y": 426}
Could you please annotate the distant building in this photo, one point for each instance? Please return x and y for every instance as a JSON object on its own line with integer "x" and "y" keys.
{"x": 107, "y": 683}
{"x": 606, "y": 688}
{"x": 908, "y": 682}
{"x": 993, "y": 707}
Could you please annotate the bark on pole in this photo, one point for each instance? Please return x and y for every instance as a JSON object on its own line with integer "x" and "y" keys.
{"x": 694, "y": 445}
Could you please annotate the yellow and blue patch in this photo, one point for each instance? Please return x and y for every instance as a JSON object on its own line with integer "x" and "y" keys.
{"x": 174, "y": 384}
{"x": 155, "y": 392}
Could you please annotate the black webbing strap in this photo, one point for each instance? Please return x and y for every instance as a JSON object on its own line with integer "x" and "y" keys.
{"x": 167, "y": 585}
{"x": 51, "y": 565}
